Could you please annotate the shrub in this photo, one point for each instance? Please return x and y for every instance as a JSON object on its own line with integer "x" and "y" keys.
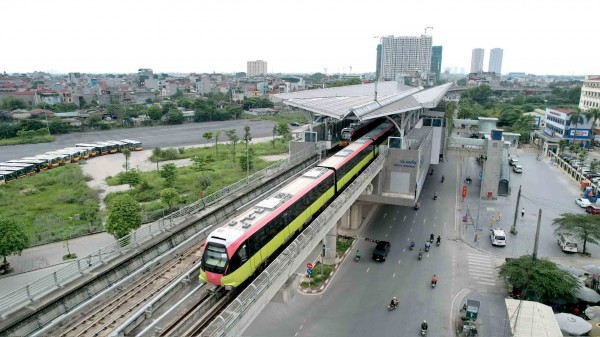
{"x": 181, "y": 150}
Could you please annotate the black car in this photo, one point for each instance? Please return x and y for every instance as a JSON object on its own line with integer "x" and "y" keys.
{"x": 381, "y": 251}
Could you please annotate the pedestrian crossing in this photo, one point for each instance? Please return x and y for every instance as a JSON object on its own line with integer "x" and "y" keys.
{"x": 481, "y": 269}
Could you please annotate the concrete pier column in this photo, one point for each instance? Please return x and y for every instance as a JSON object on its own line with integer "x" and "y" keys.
{"x": 344, "y": 221}
{"x": 356, "y": 215}
{"x": 330, "y": 246}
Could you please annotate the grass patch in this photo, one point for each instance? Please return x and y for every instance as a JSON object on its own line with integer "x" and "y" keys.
{"x": 27, "y": 140}
{"x": 341, "y": 245}
{"x": 45, "y": 203}
{"x": 223, "y": 172}
{"x": 223, "y": 151}
{"x": 317, "y": 279}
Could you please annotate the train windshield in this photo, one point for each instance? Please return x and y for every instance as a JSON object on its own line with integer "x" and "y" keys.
{"x": 346, "y": 134}
{"x": 215, "y": 258}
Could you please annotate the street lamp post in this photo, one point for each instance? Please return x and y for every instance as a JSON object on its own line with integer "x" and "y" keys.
{"x": 483, "y": 159}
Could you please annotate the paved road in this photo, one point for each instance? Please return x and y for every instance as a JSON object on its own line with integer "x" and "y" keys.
{"x": 355, "y": 302}
{"x": 543, "y": 186}
{"x": 156, "y": 136}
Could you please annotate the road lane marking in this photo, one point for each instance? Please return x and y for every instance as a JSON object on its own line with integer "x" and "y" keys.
{"x": 393, "y": 276}
{"x": 384, "y": 215}
{"x": 487, "y": 283}
{"x": 386, "y": 235}
{"x": 301, "y": 326}
{"x": 368, "y": 269}
{"x": 296, "y": 334}
{"x": 404, "y": 219}
{"x": 399, "y": 261}
{"x": 390, "y": 227}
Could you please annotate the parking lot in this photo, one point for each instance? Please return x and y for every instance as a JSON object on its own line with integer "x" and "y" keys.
{"x": 545, "y": 187}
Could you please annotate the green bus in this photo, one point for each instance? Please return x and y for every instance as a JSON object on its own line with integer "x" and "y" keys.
{"x": 19, "y": 171}
{"x": 6, "y": 176}
{"x": 40, "y": 164}
{"x": 28, "y": 168}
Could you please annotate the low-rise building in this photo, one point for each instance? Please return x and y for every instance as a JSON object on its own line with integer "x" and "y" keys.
{"x": 558, "y": 125}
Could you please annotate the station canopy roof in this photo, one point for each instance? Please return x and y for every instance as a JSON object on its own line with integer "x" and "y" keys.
{"x": 339, "y": 102}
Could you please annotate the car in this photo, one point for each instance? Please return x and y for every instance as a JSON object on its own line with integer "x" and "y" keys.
{"x": 381, "y": 251}
{"x": 513, "y": 161}
{"x": 498, "y": 237}
{"x": 593, "y": 209}
{"x": 518, "y": 169}
{"x": 294, "y": 124}
{"x": 583, "y": 202}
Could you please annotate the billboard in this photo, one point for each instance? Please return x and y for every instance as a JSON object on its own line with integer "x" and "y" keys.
{"x": 579, "y": 133}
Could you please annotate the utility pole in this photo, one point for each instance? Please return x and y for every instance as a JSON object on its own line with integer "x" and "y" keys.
{"x": 513, "y": 229}
{"x": 537, "y": 235}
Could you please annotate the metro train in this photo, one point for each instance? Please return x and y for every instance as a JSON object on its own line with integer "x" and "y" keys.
{"x": 242, "y": 247}
{"x": 357, "y": 130}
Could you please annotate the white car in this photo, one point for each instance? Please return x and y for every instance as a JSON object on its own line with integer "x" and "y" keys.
{"x": 518, "y": 169}
{"x": 498, "y": 237}
{"x": 583, "y": 202}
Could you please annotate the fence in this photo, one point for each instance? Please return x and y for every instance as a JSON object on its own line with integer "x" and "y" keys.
{"x": 570, "y": 170}
{"x": 74, "y": 269}
{"x": 279, "y": 270}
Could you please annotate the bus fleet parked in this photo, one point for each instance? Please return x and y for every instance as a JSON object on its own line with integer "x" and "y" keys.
{"x": 20, "y": 168}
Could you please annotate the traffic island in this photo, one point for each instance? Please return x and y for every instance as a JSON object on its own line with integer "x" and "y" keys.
{"x": 316, "y": 281}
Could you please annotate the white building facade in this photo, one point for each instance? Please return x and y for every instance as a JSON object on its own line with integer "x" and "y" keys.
{"x": 495, "y": 64}
{"x": 256, "y": 68}
{"x": 477, "y": 60}
{"x": 559, "y": 126}
{"x": 405, "y": 55}
{"x": 590, "y": 93}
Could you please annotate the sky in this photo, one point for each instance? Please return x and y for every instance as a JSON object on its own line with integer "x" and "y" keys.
{"x": 308, "y": 36}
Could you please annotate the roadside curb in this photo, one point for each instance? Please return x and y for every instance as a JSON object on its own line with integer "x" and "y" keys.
{"x": 329, "y": 278}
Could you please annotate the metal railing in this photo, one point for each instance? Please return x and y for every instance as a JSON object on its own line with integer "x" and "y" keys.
{"x": 254, "y": 297}
{"x": 71, "y": 271}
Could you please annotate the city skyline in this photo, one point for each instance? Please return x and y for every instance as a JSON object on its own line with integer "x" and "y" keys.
{"x": 64, "y": 36}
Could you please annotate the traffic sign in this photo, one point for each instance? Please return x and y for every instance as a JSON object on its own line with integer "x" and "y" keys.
{"x": 309, "y": 265}
{"x": 309, "y": 271}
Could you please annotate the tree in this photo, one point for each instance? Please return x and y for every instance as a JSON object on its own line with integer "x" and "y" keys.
{"x": 169, "y": 196}
{"x": 13, "y": 103}
{"x": 127, "y": 154}
{"x": 274, "y": 134}
{"x": 582, "y": 154}
{"x": 208, "y": 136}
{"x": 155, "y": 113}
{"x": 283, "y": 130}
{"x": 217, "y": 136}
{"x": 66, "y": 233}
{"x": 169, "y": 173}
{"x": 233, "y": 138}
{"x": 561, "y": 145}
{"x": 592, "y": 115}
{"x": 174, "y": 116}
{"x": 247, "y": 162}
{"x": 124, "y": 215}
{"x": 585, "y": 227}
{"x": 201, "y": 163}
{"x": 577, "y": 118}
{"x": 539, "y": 279}
{"x": 12, "y": 238}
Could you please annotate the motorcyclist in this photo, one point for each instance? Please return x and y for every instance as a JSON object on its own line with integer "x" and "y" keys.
{"x": 424, "y": 326}
{"x": 427, "y": 245}
{"x": 357, "y": 254}
{"x": 434, "y": 279}
{"x": 394, "y": 302}
{"x": 435, "y": 196}
{"x": 412, "y": 244}
{"x": 439, "y": 239}
{"x": 431, "y": 236}
{"x": 420, "y": 252}
{"x": 443, "y": 178}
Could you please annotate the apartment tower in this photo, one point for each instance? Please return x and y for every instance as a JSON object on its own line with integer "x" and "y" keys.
{"x": 404, "y": 56}
{"x": 477, "y": 60}
{"x": 496, "y": 60}
{"x": 256, "y": 68}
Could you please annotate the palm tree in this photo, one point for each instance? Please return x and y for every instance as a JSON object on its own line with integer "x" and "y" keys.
{"x": 585, "y": 227}
{"x": 594, "y": 115}
{"x": 578, "y": 118}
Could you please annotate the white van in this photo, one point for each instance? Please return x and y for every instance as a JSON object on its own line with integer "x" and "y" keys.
{"x": 567, "y": 243}
{"x": 498, "y": 237}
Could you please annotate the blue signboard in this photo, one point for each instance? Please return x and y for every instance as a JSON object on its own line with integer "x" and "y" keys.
{"x": 309, "y": 271}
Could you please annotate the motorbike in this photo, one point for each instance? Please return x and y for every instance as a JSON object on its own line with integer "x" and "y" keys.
{"x": 420, "y": 255}
{"x": 433, "y": 284}
{"x": 357, "y": 258}
{"x": 443, "y": 178}
{"x": 423, "y": 332}
{"x": 412, "y": 246}
{"x": 392, "y": 307}
{"x": 426, "y": 248}
{"x": 417, "y": 206}
{"x": 438, "y": 242}
{"x": 435, "y": 197}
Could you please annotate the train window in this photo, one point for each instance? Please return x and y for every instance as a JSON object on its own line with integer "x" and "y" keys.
{"x": 215, "y": 257}
{"x": 243, "y": 253}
